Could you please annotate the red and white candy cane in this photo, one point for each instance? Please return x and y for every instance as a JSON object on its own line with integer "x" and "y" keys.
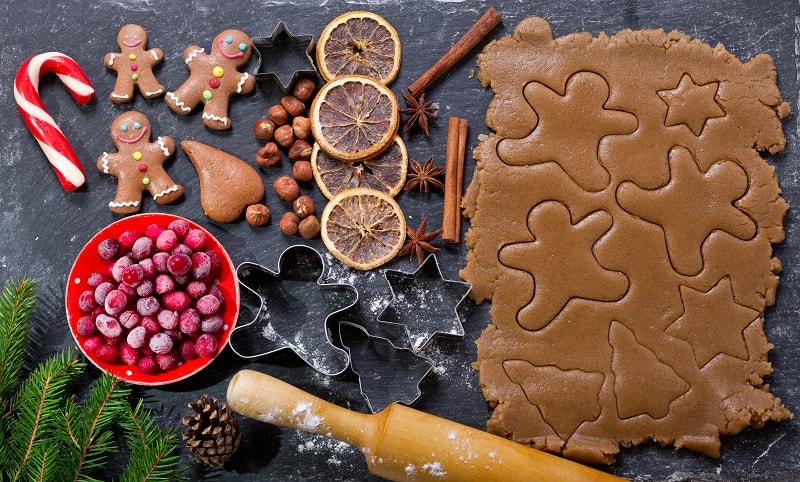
{"x": 52, "y": 141}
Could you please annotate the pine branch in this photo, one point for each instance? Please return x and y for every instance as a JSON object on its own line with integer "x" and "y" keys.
{"x": 16, "y": 306}
{"x": 153, "y": 451}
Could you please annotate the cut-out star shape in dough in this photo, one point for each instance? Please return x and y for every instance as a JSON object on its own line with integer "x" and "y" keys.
{"x": 690, "y": 206}
{"x": 425, "y": 303}
{"x": 691, "y": 104}
{"x": 713, "y": 322}
{"x": 562, "y": 263}
{"x": 570, "y": 129}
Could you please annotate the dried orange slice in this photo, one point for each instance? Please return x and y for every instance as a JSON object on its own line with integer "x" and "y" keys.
{"x": 363, "y": 228}
{"x": 354, "y": 117}
{"x": 360, "y": 43}
{"x": 385, "y": 172}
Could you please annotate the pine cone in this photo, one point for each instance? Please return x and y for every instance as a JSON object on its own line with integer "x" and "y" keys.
{"x": 213, "y": 432}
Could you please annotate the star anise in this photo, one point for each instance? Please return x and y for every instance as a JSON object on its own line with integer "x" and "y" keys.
{"x": 423, "y": 176}
{"x": 419, "y": 242}
{"x": 420, "y": 111}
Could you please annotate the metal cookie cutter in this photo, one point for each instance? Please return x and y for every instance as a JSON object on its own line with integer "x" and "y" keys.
{"x": 425, "y": 303}
{"x": 386, "y": 373}
{"x": 284, "y": 57}
{"x": 290, "y": 309}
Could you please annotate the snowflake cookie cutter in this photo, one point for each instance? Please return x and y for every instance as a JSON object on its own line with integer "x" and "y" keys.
{"x": 291, "y": 309}
{"x": 283, "y": 57}
{"x": 424, "y": 303}
{"x": 386, "y": 373}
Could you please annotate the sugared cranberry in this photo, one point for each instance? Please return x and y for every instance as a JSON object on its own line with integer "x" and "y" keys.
{"x": 95, "y": 279}
{"x": 176, "y": 300}
{"x": 160, "y": 343}
{"x": 164, "y": 284}
{"x": 147, "y": 306}
{"x": 86, "y": 301}
{"x": 167, "y": 361}
{"x": 196, "y": 289}
{"x": 180, "y": 227}
{"x": 208, "y": 305}
{"x": 119, "y": 267}
{"x": 152, "y": 231}
{"x": 128, "y": 319}
{"x": 186, "y": 350}
{"x": 182, "y": 249}
{"x": 102, "y": 291}
{"x": 217, "y": 293}
{"x": 206, "y": 345}
{"x": 147, "y": 365}
{"x": 108, "y": 249}
{"x": 160, "y": 262}
{"x": 108, "y": 326}
{"x": 146, "y": 288}
{"x": 148, "y": 268}
{"x": 92, "y": 343}
{"x": 142, "y": 248}
{"x": 216, "y": 260}
{"x": 115, "y": 302}
{"x": 189, "y": 321}
{"x": 128, "y": 354}
{"x": 201, "y": 265}
{"x": 168, "y": 319}
{"x": 127, "y": 239}
{"x": 133, "y": 275}
{"x": 85, "y": 325}
{"x": 195, "y": 239}
{"x": 107, "y": 353}
{"x": 179, "y": 264}
{"x": 150, "y": 325}
{"x": 137, "y": 337}
{"x": 167, "y": 240}
{"x": 212, "y": 324}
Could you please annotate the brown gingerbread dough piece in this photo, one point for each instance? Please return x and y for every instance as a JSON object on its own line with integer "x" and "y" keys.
{"x": 134, "y": 65}
{"x": 213, "y": 78}
{"x": 138, "y": 164}
{"x": 622, "y": 223}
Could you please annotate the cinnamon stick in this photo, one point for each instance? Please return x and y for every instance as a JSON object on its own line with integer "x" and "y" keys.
{"x": 489, "y": 20}
{"x": 454, "y": 178}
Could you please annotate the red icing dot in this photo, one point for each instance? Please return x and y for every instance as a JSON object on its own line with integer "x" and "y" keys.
{"x": 142, "y": 167}
{"x": 213, "y": 83}
{"x": 134, "y": 67}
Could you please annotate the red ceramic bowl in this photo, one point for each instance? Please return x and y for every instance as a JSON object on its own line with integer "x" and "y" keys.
{"x": 89, "y": 261}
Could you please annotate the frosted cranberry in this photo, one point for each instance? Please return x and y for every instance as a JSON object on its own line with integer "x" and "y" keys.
{"x": 208, "y": 305}
{"x": 111, "y": 340}
{"x": 150, "y": 325}
{"x": 206, "y": 345}
{"x": 128, "y": 354}
{"x": 195, "y": 239}
{"x": 189, "y": 321}
{"x": 148, "y": 268}
{"x": 180, "y": 227}
{"x": 168, "y": 319}
{"x": 152, "y": 231}
{"x": 92, "y": 343}
{"x": 98, "y": 311}
{"x": 85, "y": 325}
{"x": 186, "y": 350}
{"x": 176, "y": 300}
{"x": 201, "y": 265}
{"x": 175, "y": 334}
{"x": 183, "y": 279}
{"x": 108, "y": 326}
{"x": 127, "y": 239}
{"x": 167, "y": 361}
{"x": 146, "y": 351}
{"x": 142, "y": 248}
{"x": 215, "y": 291}
{"x": 160, "y": 262}
{"x": 216, "y": 260}
{"x": 86, "y": 301}
{"x": 179, "y": 264}
{"x": 160, "y": 343}
{"x": 133, "y": 275}
{"x": 167, "y": 240}
{"x": 137, "y": 337}
{"x": 129, "y": 319}
{"x": 182, "y": 249}
{"x": 128, "y": 291}
{"x": 164, "y": 284}
{"x": 212, "y": 324}
{"x": 119, "y": 267}
{"x": 102, "y": 291}
{"x": 147, "y": 288}
{"x": 147, "y": 365}
{"x": 196, "y": 289}
{"x": 148, "y": 306}
{"x": 95, "y": 279}
{"x": 108, "y": 249}
{"x": 107, "y": 353}
{"x": 115, "y": 302}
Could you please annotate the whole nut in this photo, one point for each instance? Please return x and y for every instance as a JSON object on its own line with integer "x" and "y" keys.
{"x": 286, "y": 188}
{"x": 257, "y": 214}
{"x": 309, "y": 227}
{"x": 278, "y": 114}
{"x": 302, "y": 127}
{"x": 304, "y": 89}
{"x": 293, "y": 106}
{"x": 304, "y": 206}
{"x": 289, "y": 223}
{"x": 284, "y": 135}
{"x": 300, "y": 150}
{"x": 268, "y": 155}
{"x": 264, "y": 129}
{"x": 302, "y": 171}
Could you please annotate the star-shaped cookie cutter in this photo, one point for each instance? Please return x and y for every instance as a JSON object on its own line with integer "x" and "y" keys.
{"x": 425, "y": 303}
{"x": 290, "y": 309}
{"x": 288, "y": 57}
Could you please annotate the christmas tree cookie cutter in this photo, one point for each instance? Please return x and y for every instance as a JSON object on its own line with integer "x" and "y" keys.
{"x": 290, "y": 309}
{"x": 284, "y": 58}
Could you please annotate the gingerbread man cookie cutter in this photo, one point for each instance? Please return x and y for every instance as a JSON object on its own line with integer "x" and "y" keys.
{"x": 288, "y": 57}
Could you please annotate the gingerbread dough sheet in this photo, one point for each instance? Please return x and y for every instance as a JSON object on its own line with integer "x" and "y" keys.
{"x": 622, "y": 223}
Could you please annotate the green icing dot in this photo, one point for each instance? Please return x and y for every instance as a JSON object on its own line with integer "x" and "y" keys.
{"x": 146, "y": 181}
{"x": 135, "y": 76}
{"x": 207, "y": 95}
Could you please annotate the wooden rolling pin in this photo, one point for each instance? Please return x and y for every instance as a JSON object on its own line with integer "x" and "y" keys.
{"x": 400, "y": 443}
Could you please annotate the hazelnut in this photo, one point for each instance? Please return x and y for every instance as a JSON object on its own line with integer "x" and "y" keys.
{"x": 284, "y": 135}
{"x": 269, "y": 155}
{"x": 304, "y": 206}
{"x": 286, "y": 188}
{"x": 302, "y": 171}
{"x": 289, "y": 223}
{"x": 304, "y": 89}
{"x": 309, "y": 227}
{"x": 300, "y": 150}
{"x": 278, "y": 114}
{"x": 257, "y": 214}
{"x": 263, "y": 129}
{"x": 301, "y": 127}
{"x": 293, "y": 106}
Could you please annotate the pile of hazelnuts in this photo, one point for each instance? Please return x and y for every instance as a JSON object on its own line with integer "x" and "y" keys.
{"x": 287, "y": 130}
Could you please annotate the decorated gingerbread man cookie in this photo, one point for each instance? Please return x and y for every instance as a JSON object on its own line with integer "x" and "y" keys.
{"x": 138, "y": 164}
{"x": 214, "y": 78}
{"x": 134, "y": 65}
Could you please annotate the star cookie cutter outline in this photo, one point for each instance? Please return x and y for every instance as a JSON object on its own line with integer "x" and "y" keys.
{"x": 282, "y": 40}
{"x": 407, "y": 287}
{"x": 291, "y": 309}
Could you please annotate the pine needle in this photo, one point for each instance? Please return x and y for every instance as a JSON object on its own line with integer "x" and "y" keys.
{"x": 153, "y": 450}
{"x": 16, "y": 306}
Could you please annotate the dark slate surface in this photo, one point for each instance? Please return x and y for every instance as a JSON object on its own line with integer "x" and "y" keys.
{"x": 43, "y": 227}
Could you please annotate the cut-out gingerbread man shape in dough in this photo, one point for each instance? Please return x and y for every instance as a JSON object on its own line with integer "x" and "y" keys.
{"x": 214, "y": 78}
{"x": 138, "y": 164}
{"x": 134, "y": 66}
